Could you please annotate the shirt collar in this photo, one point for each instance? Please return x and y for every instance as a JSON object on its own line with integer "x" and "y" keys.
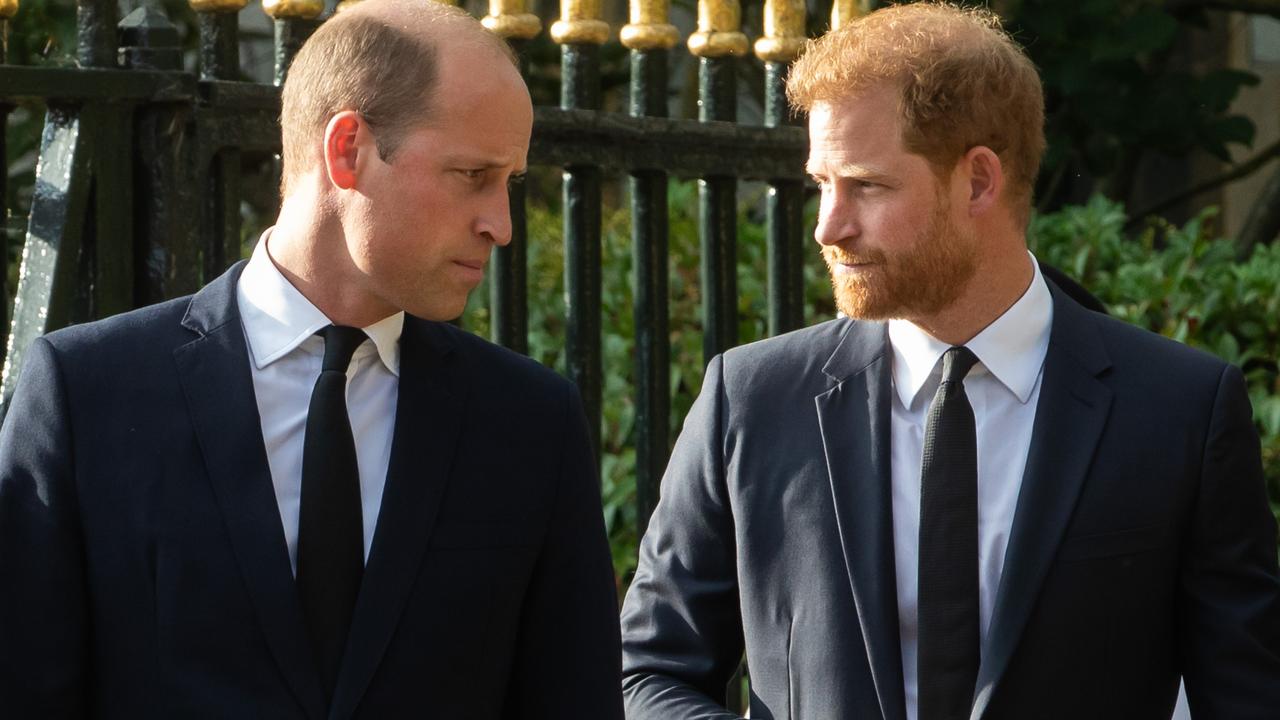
{"x": 277, "y": 318}
{"x": 1012, "y": 348}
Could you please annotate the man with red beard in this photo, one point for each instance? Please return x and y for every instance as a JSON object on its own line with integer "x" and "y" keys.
{"x": 971, "y": 497}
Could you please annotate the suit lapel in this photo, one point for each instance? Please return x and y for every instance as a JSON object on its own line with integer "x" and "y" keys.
{"x": 429, "y": 413}
{"x": 1070, "y": 417}
{"x": 218, "y": 386}
{"x": 854, "y": 421}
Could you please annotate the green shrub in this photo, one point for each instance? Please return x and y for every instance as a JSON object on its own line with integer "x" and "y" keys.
{"x": 1188, "y": 288}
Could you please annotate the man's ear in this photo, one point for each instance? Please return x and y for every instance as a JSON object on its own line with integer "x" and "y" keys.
{"x": 985, "y": 178}
{"x": 343, "y": 148}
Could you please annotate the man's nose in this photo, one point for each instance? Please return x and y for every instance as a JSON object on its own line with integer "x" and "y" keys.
{"x": 837, "y": 220}
{"x": 494, "y": 221}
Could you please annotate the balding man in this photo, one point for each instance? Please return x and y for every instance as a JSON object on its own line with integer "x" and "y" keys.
{"x": 298, "y": 493}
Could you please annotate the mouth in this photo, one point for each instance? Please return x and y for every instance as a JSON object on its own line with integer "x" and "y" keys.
{"x": 471, "y": 270}
{"x": 851, "y": 266}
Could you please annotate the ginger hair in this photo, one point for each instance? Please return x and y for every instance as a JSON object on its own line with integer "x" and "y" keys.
{"x": 963, "y": 81}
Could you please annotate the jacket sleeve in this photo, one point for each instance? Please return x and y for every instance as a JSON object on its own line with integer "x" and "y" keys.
{"x": 567, "y": 661}
{"x": 1230, "y": 587}
{"x": 681, "y": 627}
{"x": 43, "y": 608}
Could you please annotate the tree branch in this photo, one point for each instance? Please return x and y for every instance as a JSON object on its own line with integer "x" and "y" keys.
{"x": 1242, "y": 170}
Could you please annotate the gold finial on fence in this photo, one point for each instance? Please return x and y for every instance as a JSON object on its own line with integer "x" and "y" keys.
{"x": 719, "y": 30}
{"x": 580, "y": 23}
{"x": 783, "y": 31}
{"x": 844, "y": 12}
{"x": 293, "y": 9}
{"x": 649, "y": 28}
{"x": 8, "y": 8}
{"x": 509, "y": 19}
{"x": 216, "y": 6}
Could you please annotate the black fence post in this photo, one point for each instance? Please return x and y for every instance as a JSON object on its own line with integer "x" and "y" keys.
{"x": 580, "y": 33}
{"x": 649, "y": 36}
{"x": 718, "y": 43}
{"x": 508, "y": 277}
{"x": 782, "y": 42}
{"x": 295, "y": 20}
{"x": 166, "y": 252}
{"x": 107, "y": 246}
{"x": 220, "y": 60}
{"x": 96, "y": 33}
{"x": 8, "y": 8}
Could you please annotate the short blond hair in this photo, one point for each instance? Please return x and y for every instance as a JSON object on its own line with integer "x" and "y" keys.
{"x": 964, "y": 82}
{"x": 380, "y": 59}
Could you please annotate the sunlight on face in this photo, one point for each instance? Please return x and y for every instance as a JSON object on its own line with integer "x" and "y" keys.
{"x": 918, "y": 280}
{"x": 885, "y": 221}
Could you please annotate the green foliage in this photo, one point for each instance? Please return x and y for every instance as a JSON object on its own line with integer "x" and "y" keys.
{"x": 1184, "y": 283}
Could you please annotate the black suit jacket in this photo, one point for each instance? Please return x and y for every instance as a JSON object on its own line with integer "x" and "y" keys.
{"x": 1142, "y": 547}
{"x": 143, "y": 567}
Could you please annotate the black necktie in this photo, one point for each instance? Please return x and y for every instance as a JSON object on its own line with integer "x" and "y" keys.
{"x": 330, "y": 533}
{"x": 948, "y": 580}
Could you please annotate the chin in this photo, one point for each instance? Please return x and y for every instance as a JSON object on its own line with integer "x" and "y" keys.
{"x": 440, "y": 311}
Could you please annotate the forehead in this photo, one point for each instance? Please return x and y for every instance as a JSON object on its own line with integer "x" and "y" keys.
{"x": 859, "y": 128}
{"x": 481, "y": 105}
{"x": 475, "y": 77}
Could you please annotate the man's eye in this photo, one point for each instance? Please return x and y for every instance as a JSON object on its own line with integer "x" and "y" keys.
{"x": 471, "y": 174}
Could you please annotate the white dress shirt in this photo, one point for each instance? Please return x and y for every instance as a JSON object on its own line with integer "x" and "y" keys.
{"x": 1004, "y": 389}
{"x": 284, "y": 359}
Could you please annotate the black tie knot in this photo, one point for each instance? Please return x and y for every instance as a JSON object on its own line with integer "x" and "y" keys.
{"x": 956, "y": 364}
{"x": 340, "y": 343}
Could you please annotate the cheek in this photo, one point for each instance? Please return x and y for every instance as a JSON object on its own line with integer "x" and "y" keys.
{"x": 364, "y": 251}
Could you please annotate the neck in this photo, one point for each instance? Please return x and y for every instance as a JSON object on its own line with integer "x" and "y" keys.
{"x": 996, "y": 285}
{"x": 308, "y": 245}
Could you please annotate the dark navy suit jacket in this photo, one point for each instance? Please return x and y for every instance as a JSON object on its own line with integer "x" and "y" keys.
{"x": 1142, "y": 547}
{"x": 143, "y": 566}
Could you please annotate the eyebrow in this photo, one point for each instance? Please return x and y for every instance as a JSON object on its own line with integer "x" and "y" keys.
{"x": 482, "y": 163}
{"x": 851, "y": 171}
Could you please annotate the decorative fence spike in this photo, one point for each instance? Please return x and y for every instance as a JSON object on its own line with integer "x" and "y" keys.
{"x": 292, "y": 9}
{"x": 844, "y": 12}
{"x": 649, "y": 28}
{"x": 218, "y": 6}
{"x": 510, "y": 19}
{"x": 580, "y": 23}
{"x": 719, "y": 30}
{"x": 783, "y": 31}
